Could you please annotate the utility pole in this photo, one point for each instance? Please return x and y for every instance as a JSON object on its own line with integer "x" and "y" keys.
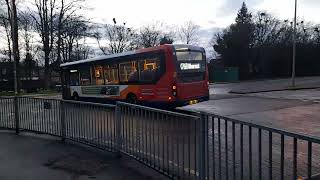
{"x": 293, "y": 84}
{"x": 15, "y": 45}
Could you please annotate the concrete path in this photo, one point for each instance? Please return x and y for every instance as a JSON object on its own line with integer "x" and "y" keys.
{"x": 33, "y": 158}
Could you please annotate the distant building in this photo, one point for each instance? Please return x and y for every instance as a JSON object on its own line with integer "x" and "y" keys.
{"x": 6, "y": 71}
{"x": 29, "y": 77}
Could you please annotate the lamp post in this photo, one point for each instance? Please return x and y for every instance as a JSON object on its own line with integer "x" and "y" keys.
{"x": 293, "y": 83}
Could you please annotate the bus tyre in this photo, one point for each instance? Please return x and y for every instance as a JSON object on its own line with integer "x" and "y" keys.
{"x": 75, "y": 96}
{"x": 132, "y": 99}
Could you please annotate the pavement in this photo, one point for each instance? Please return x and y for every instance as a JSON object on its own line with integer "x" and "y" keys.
{"x": 275, "y": 85}
{"x": 29, "y": 157}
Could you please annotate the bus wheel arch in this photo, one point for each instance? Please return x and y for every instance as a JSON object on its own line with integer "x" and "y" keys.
{"x": 132, "y": 98}
{"x": 75, "y": 96}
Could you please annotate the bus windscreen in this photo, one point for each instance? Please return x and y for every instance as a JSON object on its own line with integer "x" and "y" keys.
{"x": 190, "y": 60}
{"x": 189, "y": 56}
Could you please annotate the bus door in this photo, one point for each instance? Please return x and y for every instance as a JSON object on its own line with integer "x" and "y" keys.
{"x": 65, "y": 79}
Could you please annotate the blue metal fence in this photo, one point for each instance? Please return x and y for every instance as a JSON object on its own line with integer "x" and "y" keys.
{"x": 201, "y": 146}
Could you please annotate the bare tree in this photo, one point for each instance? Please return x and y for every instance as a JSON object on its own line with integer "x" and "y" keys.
{"x": 67, "y": 12}
{"x": 50, "y": 18}
{"x": 188, "y": 33}
{"x": 119, "y": 37}
{"x": 149, "y": 36}
{"x": 75, "y": 29}
{"x": 6, "y": 24}
{"x": 26, "y": 25}
{"x": 44, "y": 20}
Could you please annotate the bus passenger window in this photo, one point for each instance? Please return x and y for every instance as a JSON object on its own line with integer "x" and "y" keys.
{"x": 149, "y": 69}
{"x": 128, "y": 72}
{"x": 98, "y": 75}
{"x": 111, "y": 74}
{"x": 85, "y": 79}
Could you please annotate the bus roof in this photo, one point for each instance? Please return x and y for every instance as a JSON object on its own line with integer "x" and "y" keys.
{"x": 105, "y": 57}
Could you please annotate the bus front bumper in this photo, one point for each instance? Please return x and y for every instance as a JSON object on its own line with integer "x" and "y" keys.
{"x": 176, "y": 103}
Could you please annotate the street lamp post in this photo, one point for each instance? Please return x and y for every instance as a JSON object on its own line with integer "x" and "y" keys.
{"x": 294, "y": 45}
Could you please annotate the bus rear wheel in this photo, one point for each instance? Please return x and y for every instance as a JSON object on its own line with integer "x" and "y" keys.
{"x": 132, "y": 99}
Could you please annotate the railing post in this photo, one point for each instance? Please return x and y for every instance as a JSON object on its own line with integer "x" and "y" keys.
{"x": 63, "y": 121}
{"x": 203, "y": 134}
{"x": 118, "y": 124}
{"x": 16, "y": 114}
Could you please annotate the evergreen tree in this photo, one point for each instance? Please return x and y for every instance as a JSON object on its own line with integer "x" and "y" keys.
{"x": 234, "y": 43}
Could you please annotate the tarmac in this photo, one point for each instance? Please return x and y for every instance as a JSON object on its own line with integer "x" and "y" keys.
{"x": 38, "y": 157}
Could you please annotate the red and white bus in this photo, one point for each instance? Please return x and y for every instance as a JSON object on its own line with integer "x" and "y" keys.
{"x": 171, "y": 75}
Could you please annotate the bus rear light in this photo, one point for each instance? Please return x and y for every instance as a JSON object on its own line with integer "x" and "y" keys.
{"x": 174, "y": 90}
{"x": 174, "y": 87}
{"x": 169, "y": 98}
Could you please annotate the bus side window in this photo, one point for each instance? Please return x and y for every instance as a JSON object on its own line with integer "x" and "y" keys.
{"x": 85, "y": 79}
{"x": 128, "y": 72}
{"x": 111, "y": 74}
{"x": 149, "y": 69}
{"x": 98, "y": 75}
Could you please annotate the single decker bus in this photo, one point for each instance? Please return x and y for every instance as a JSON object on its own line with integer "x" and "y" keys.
{"x": 165, "y": 75}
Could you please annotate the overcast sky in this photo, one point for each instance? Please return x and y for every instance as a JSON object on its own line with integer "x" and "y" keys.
{"x": 206, "y": 13}
{"x": 210, "y": 15}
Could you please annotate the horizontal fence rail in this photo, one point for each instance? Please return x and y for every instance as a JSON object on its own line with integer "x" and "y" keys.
{"x": 203, "y": 146}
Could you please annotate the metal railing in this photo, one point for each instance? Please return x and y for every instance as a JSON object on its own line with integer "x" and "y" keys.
{"x": 89, "y": 123}
{"x": 39, "y": 115}
{"x": 164, "y": 140}
{"x": 202, "y": 146}
{"x": 243, "y": 150}
{"x": 7, "y": 113}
